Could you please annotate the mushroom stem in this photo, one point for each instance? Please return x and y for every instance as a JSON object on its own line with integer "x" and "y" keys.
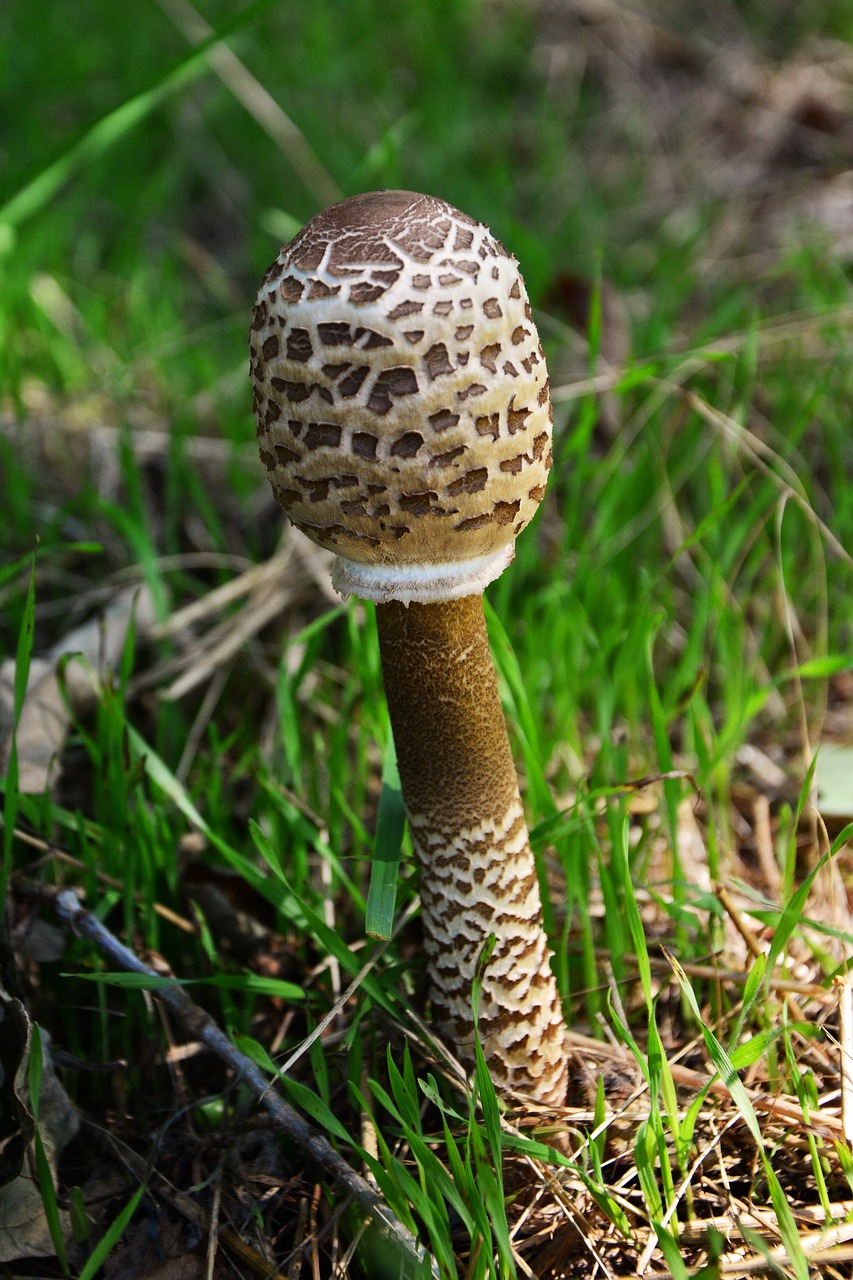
{"x": 478, "y": 876}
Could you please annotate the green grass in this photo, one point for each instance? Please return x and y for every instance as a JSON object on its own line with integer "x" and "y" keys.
{"x": 682, "y": 593}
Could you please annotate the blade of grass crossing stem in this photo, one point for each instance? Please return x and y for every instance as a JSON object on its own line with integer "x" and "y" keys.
{"x": 385, "y": 871}
{"x": 728, "y": 1074}
{"x": 489, "y": 1174}
{"x": 485, "y": 1088}
{"x": 45, "y": 1176}
{"x": 11, "y": 794}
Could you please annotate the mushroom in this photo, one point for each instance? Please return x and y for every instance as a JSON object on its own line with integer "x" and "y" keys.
{"x": 404, "y": 419}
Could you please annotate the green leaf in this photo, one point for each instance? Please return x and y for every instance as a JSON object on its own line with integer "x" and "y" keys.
{"x": 308, "y": 1101}
{"x": 11, "y": 796}
{"x": 47, "y": 1187}
{"x": 387, "y": 846}
{"x": 111, "y": 1236}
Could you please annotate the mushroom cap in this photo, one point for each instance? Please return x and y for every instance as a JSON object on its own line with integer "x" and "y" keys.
{"x": 401, "y": 395}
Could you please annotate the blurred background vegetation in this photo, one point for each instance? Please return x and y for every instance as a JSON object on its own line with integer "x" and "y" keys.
{"x": 676, "y": 181}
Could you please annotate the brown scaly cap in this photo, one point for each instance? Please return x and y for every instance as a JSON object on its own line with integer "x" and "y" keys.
{"x": 401, "y": 395}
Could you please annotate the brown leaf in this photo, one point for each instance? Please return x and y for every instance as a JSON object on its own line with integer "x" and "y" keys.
{"x": 90, "y": 651}
{"x": 24, "y": 1232}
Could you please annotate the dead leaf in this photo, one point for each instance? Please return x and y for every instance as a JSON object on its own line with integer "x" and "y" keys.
{"x": 91, "y": 651}
{"x": 24, "y": 1232}
{"x": 834, "y": 773}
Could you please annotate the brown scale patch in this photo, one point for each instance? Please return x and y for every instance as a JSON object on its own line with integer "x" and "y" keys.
{"x": 413, "y": 335}
{"x": 465, "y": 265}
{"x": 443, "y": 419}
{"x": 492, "y": 309}
{"x": 285, "y": 456}
{"x": 408, "y": 445}
{"x": 335, "y": 333}
{"x": 318, "y": 490}
{"x": 407, "y": 308}
{"x": 386, "y": 277}
{"x": 466, "y": 304}
{"x": 288, "y": 497}
{"x": 447, "y": 280}
{"x": 510, "y": 369}
{"x": 473, "y": 389}
{"x": 391, "y": 383}
{"x": 364, "y": 445}
{"x": 438, "y": 361}
{"x": 442, "y": 309}
{"x": 351, "y": 384}
{"x": 270, "y": 348}
{"x": 515, "y": 291}
{"x": 537, "y": 493}
{"x": 464, "y": 331}
{"x": 464, "y": 239}
{"x": 319, "y": 289}
{"x": 324, "y": 533}
{"x": 421, "y": 282}
{"x": 272, "y": 413}
{"x": 267, "y": 458}
{"x": 516, "y": 418}
{"x": 540, "y": 444}
{"x": 295, "y": 426}
{"x": 530, "y": 363}
{"x": 488, "y": 425}
{"x": 292, "y": 289}
{"x": 513, "y": 465}
{"x": 528, "y": 311}
{"x": 363, "y": 293}
{"x": 259, "y": 316}
{"x": 368, "y": 339}
{"x": 419, "y": 504}
{"x": 489, "y": 356}
{"x": 519, "y": 333}
{"x": 270, "y": 274}
{"x": 322, "y": 435}
{"x": 447, "y": 459}
{"x": 299, "y": 346}
{"x": 296, "y": 392}
{"x": 472, "y": 482}
{"x": 505, "y": 512}
{"x": 354, "y": 508}
{"x": 544, "y": 392}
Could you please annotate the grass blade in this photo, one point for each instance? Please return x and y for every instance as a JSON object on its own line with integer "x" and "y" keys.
{"x": 385, "y": 871}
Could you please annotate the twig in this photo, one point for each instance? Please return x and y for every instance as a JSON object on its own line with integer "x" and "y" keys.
{"x": 202, "y": 1027}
